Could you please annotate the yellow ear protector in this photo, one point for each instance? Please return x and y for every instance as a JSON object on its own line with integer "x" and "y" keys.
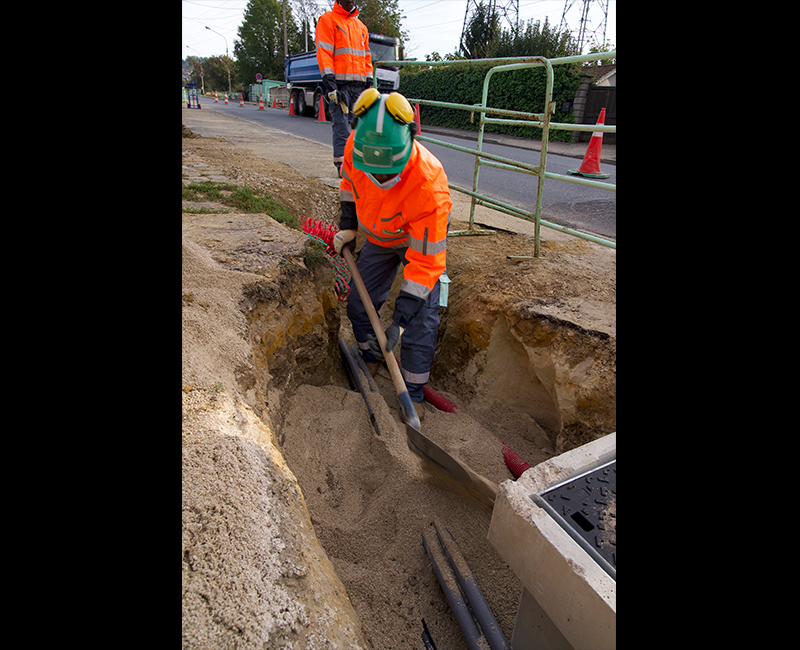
{"x": 396, "y": 105}
{"x": 366, "y": 100}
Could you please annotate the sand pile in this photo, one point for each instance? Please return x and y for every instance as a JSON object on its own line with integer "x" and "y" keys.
{"x": 370, "y": 500}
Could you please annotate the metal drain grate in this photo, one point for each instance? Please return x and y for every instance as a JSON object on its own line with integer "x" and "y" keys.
{"x": 586, "y": 507}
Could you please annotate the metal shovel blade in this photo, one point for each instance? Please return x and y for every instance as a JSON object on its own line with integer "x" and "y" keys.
{"x": 430, "y": 451}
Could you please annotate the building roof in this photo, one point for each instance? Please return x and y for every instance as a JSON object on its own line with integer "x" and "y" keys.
{"x": 599, "y": 72}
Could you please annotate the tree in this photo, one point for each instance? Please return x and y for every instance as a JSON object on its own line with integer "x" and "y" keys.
{"x": 482, "y": 30}
{"x": 596, "y": 49}
{"x": 195, "y": 64}
{"x": 536, "y": 39}
{"x": 259, "y": 47}
{"x": 382, "y": 17}
{"x": 307, "y": 12}
{"x": 486, "y": 38}
{"x": 435, "y": 56}
{"x": 215, "y": 73}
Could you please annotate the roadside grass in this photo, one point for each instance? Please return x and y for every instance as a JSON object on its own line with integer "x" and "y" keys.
{"x": 240, "y": 197}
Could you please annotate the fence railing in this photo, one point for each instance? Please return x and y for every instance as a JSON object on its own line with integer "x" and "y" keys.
{"x": 517, "y": 118}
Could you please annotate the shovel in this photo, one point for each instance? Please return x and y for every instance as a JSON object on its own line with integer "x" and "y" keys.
{"x": 417, "y": 442}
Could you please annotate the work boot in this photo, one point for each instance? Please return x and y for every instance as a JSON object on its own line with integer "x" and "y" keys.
{"x": 420, "y": 411}
{"x": 373, "y": 368}
{"x": 418, "y": 408}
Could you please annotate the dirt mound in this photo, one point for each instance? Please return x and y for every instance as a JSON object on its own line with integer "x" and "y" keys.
{"x": 371, "y": 499}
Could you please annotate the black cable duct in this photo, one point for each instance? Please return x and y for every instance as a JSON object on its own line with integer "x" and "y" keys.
{"x": 463, "y": 594}
{"x": 356, "y": 382}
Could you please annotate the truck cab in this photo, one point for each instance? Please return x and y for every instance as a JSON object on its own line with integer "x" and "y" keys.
{"x": 385, "y": 48}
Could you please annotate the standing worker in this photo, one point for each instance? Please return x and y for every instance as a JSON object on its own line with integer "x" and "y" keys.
{"x": 395, "y": 192}
{"x": 345, "y": 63}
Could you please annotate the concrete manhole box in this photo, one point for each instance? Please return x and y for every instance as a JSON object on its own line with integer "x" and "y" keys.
{"x": 586, "y": 507}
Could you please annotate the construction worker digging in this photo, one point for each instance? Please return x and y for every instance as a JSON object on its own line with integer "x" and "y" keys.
{"x": 345, "y": 63}
{"x": 395, "y": 192}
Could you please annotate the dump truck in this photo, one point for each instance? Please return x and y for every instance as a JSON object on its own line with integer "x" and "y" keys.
{"x": 304, "y": 81}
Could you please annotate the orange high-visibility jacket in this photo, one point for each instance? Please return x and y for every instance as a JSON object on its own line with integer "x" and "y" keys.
{"x": 342, "y": 42}
{"x": 414, "y": 212}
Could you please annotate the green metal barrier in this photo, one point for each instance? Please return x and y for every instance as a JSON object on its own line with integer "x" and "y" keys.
{"x": 539, "y": 120}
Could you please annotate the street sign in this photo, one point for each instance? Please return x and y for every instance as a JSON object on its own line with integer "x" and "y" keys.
{"x": 258, "y": 77}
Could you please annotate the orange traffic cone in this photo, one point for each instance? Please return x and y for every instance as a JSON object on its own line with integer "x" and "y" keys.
{"x": 590, "y": 167}
{"x": 260, "y": 101}
{"x": 416, "y": 119}
{"x": 291, "y": 106}
{"x": 226, "y": 98}
{"x": 273, "y": 102}
{"x": 321, "y": 117}
{"x": 241, "y": 99}
{"x": 216, "y": 98}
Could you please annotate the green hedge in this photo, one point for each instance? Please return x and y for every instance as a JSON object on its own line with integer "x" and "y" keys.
{"x": 520, "y": 90}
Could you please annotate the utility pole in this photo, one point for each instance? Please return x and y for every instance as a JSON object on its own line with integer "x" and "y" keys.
{"x": 227, "y": 58}
{"x": 285, "y": 42}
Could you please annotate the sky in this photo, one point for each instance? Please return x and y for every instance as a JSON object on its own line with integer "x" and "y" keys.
{"x": 432, "y": 25}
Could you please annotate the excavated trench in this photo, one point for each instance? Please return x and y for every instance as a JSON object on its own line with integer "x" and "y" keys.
{"x": 264, "y": 383}
{"x": 302, "y": 524}
{"x": 534, "y": 382}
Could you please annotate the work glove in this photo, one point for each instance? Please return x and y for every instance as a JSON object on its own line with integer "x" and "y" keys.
{"x": 393, "y": 334}
{"x": 344, "y": 238}
{"x": 339, "y": 98}
{"x": 329, "y": 82}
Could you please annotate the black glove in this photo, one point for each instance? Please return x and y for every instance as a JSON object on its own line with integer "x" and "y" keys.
{"x": 329, "y": 83}
{"x": 344, "y": 101}
{"x": 393, "y": 333}
{"x": 369, "y": 82}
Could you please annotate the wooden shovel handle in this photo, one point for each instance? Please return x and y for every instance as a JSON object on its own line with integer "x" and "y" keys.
{"x": 391, "y": 363}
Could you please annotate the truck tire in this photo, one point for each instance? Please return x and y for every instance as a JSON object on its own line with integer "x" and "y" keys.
{"x": 317, "y": 100}
{"x": 300, "y": 102}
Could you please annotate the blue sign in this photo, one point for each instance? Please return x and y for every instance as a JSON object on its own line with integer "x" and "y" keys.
{"x": 258, "y": 77}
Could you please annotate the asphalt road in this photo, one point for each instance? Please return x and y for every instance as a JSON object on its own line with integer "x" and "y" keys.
{"x": 583, "y": 208}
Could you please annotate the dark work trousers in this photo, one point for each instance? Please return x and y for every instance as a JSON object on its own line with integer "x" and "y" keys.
{"x": 340, "y": 123}
{"x": 378, "y": 267}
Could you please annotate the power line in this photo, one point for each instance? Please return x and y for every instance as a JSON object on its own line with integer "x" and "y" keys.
{"x": 449, "y": 22}
{"x": 201, "y": 4}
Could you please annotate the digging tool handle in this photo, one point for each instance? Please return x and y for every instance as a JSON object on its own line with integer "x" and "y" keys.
{"x": 409, "y": 411}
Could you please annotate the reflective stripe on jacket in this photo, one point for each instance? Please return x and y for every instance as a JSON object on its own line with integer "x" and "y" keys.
{"x": 413, "y": 213}
{"x": 342, "y": 44}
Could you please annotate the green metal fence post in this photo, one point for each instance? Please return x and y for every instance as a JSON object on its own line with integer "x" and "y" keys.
{"x": 513, "y": 117}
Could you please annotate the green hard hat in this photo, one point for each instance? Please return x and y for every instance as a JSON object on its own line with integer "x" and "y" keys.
{"x": 382, "y": 141}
